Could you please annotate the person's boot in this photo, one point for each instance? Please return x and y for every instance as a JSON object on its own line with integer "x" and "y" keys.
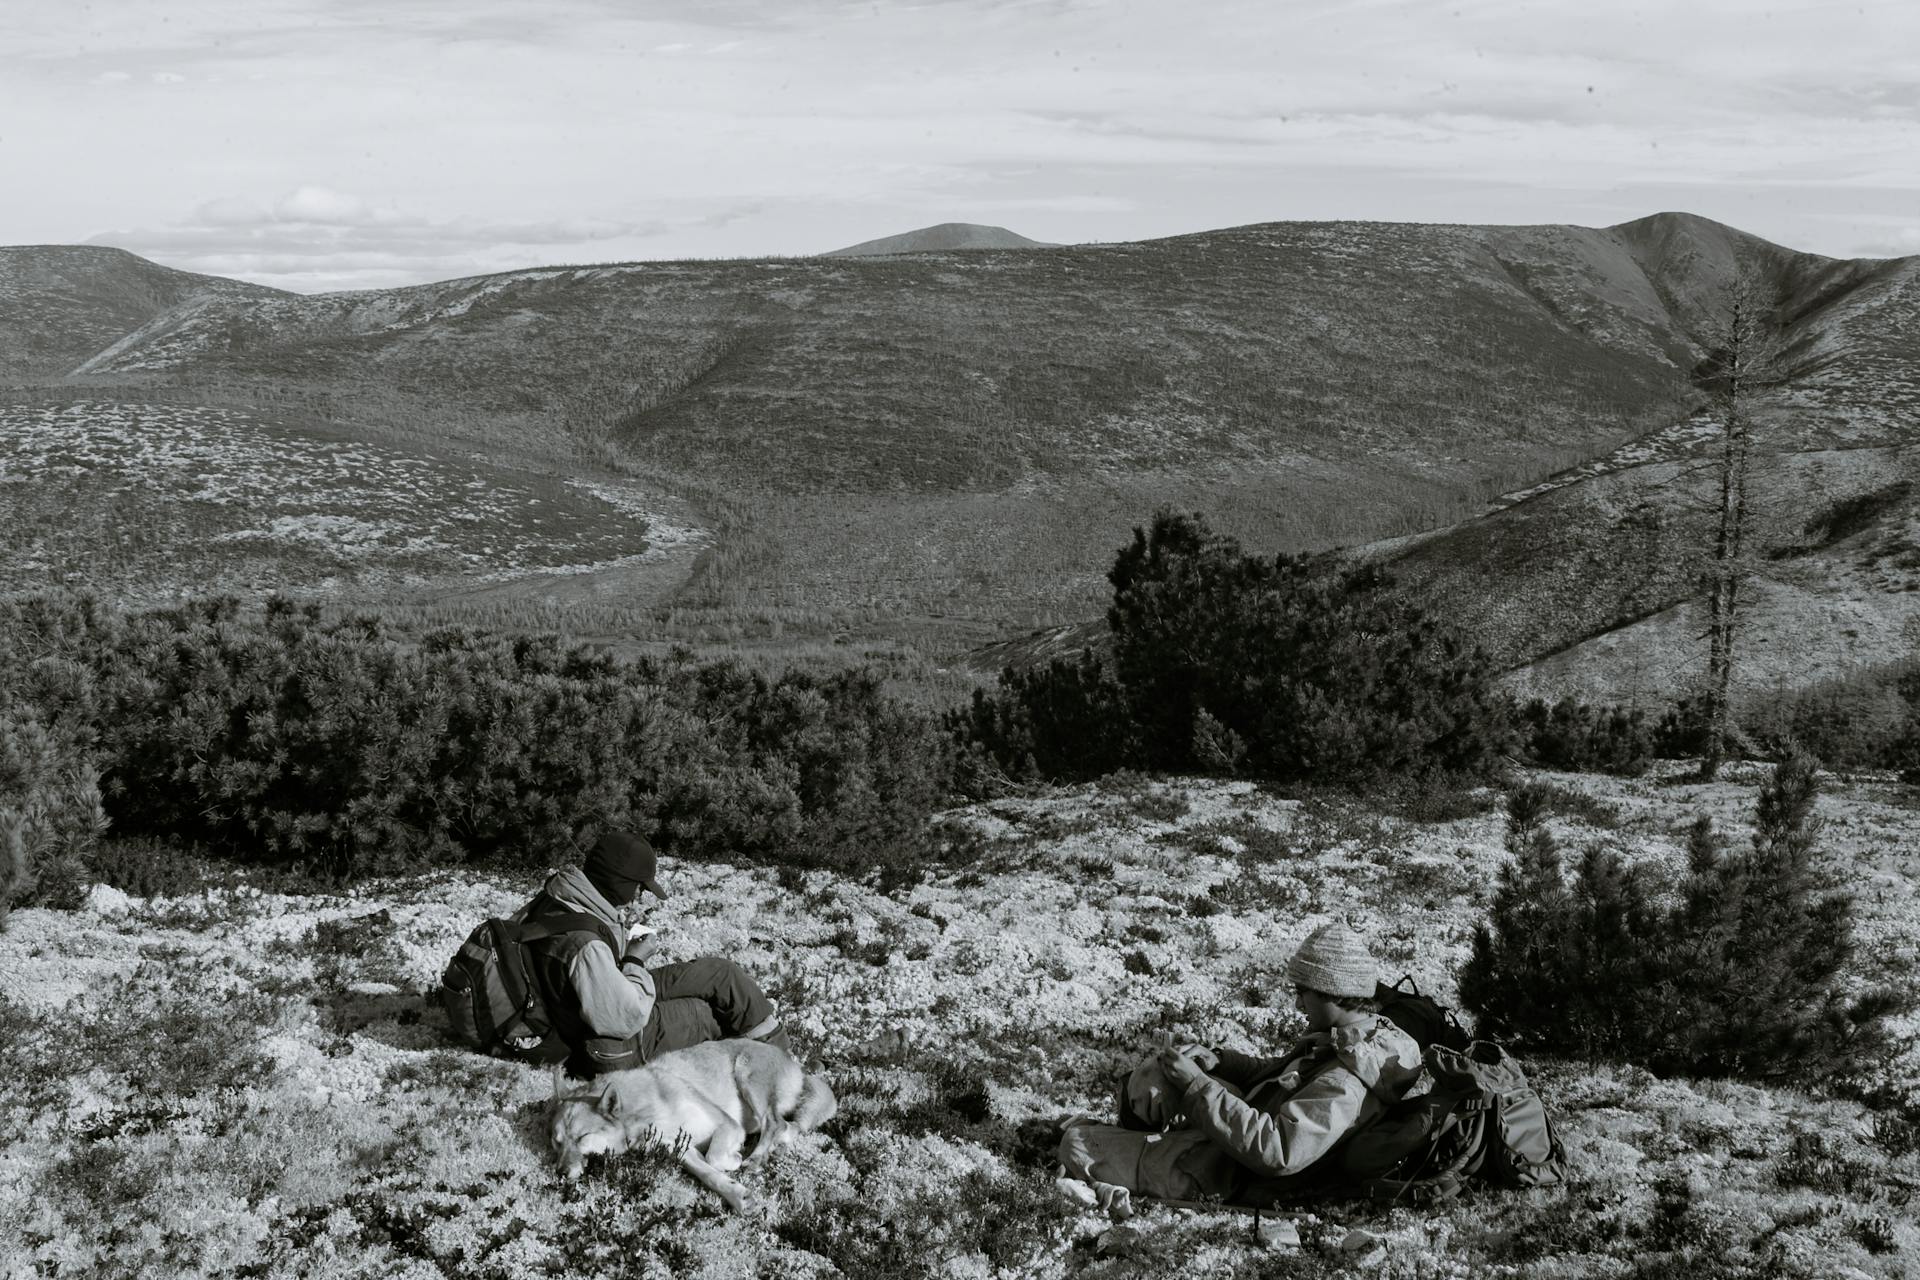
{"x": 893, "y": 1043}
{"x": 769, "y": 1030}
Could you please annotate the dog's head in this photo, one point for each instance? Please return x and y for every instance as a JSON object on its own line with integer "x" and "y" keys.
{"x": 584, "y": 1125}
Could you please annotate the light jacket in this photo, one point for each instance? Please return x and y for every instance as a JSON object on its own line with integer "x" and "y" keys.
{"x": 1291, "y": 1110}
{"x": 616, "y": 995}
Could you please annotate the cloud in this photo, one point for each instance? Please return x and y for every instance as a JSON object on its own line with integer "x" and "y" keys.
{"x": 745, "y": 126}
{"x": 326, "y": 207}
{"x": 316, "y": 237}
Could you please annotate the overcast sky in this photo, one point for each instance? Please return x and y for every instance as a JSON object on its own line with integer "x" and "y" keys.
{"x": 327, "y": 144}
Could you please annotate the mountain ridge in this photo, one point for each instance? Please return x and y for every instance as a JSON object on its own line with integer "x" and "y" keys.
{"x": 963, "y": 437}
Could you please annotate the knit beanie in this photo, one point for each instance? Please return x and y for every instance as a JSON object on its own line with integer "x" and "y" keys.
{"x": 620, "y": 865}
{"x": 1334, "y": 962}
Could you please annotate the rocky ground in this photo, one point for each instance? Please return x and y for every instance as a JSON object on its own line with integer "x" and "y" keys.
{"x": 248, "y": 1083}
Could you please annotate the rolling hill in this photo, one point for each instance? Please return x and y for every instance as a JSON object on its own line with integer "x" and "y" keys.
{"x": 956, "y": 441}
{"x": 939, "y": 239}
{"x": 64, "y": 303}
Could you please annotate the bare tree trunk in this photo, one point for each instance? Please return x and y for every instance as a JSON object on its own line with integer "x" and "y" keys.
{"x": 1742, "y": 343}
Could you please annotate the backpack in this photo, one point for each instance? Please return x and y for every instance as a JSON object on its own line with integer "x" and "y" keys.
{"x": 1419, "y": 1016}
{"x": 491, "y": 995}
{"x": 1481, "y": 1120}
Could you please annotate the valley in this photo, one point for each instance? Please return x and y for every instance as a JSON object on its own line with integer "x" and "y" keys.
{"x": 932, "y": 451}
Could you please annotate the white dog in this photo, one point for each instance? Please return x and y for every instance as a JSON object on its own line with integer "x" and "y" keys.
{"x": 701, "y": 1103}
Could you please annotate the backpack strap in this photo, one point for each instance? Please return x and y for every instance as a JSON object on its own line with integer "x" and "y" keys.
{"x": 547, "y": 918}
{"x": 539, "y": 928}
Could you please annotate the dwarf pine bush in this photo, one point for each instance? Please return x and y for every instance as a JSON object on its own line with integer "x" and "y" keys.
{"x": 1576, "y": 737}
{"x": 1068, "y": 721}
{"x": 279, "y": 737}
{"x": 1739, "y": 973}
{"x": 1281, "y": 667}
{"x": 50, "y": 811}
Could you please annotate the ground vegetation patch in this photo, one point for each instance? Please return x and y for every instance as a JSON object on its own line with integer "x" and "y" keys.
{"x": 246, "y": 1081}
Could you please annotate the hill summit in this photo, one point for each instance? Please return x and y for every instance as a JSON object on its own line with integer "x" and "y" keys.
{"x": 935, "y": 239}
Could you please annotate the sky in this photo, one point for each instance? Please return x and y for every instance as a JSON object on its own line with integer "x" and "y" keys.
{"x": 339, "y": 144}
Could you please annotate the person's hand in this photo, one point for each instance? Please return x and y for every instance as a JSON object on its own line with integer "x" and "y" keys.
{"x": 1180, "y": 1070}
{"x": 642, "y": 946}
{"x": 1206, "y": 1057}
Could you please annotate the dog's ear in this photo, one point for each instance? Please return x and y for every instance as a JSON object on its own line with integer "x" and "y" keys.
{"x": 610, "y": 1103}
{"x": 558, "y": 1095}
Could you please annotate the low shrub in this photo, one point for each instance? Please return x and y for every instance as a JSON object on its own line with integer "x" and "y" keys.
{"x": 333, "y": 747}
{"x": 1067, "y": 721}
{"x": 146, "y": 867}
{"x": 1739, "y": 974}
{"x": 1578, "y": 738}
{"x": 50, "y": 809}
{"x": 1530, "y": 802}
{"x": 1434, "y": 796}
{"x": 1865, "y": 720}
{"x": 1813, "y": 1160}
{"x": 1281, "y": 668}
{"x": 1682, "y": 730}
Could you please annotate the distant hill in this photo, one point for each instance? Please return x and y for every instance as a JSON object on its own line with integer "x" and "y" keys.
{"x": 939, "y": 239}
{"x": 64, "y": 303}
{"x": 955, "y": 442}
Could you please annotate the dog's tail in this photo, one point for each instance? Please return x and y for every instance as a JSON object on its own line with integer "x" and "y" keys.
{"x": 817, "y": 1104}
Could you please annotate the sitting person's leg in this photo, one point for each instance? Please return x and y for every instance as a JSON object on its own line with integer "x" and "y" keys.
{"x": 677, "y": 1024}
{"x": 738, "y": 1006}
{"x": 1177, "y": 1165}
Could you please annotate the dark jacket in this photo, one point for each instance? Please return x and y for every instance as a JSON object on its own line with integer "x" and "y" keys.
{"x": 588, "y": 991}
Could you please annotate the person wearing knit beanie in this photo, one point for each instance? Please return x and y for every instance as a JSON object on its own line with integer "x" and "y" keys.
{"x": 1217, "y": 1124}
{"x": 1334, "y": 962}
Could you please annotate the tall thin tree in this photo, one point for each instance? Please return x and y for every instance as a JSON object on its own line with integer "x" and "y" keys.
{"x": 1742, "y": 359}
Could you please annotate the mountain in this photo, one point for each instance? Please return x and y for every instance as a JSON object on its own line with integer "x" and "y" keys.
{"x": 939, "y": 239}
{"x": 1587, "y": 583}
{"x": 952, "y": 444}
{"x": 64, "y": 303}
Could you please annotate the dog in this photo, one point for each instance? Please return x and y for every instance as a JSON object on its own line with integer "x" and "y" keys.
{"x": 700, "y": 1103}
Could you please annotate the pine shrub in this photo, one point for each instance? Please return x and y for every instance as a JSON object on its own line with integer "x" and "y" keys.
{"x": 50, "y": 811}
{"x": 1682, "y": 730}
{"x": 1737, "y": 974}
{"x": 1578, "y": 738}
{"x": 334, "y": 748}
{"x": 1282, "y": 668}
{"x": 1066, "y": 721}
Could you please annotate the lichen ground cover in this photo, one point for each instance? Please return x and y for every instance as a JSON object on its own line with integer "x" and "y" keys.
{"x": 147, "y": 501}
{"x": 251, "y": 1083}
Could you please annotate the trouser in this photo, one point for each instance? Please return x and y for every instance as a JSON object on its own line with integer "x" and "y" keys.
{"x": 1179, "y": 1164}
{"x": 711, "y": 998}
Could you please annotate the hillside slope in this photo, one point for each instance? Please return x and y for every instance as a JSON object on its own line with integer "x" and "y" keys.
{"x": 60, "y": 304}
{"x": 966, "y": 436}
{"x": 1586, "y": 580}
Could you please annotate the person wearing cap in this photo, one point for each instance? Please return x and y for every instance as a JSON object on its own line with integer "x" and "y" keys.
{"x": 612, "y": 1009}
{"x": 1239, "y": 1127}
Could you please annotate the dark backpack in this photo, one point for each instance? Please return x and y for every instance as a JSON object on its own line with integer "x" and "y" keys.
{"x": 1428, "y": 1022}
{"x": 492, "y": 996}
{"x": 1481, "y": 1120}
